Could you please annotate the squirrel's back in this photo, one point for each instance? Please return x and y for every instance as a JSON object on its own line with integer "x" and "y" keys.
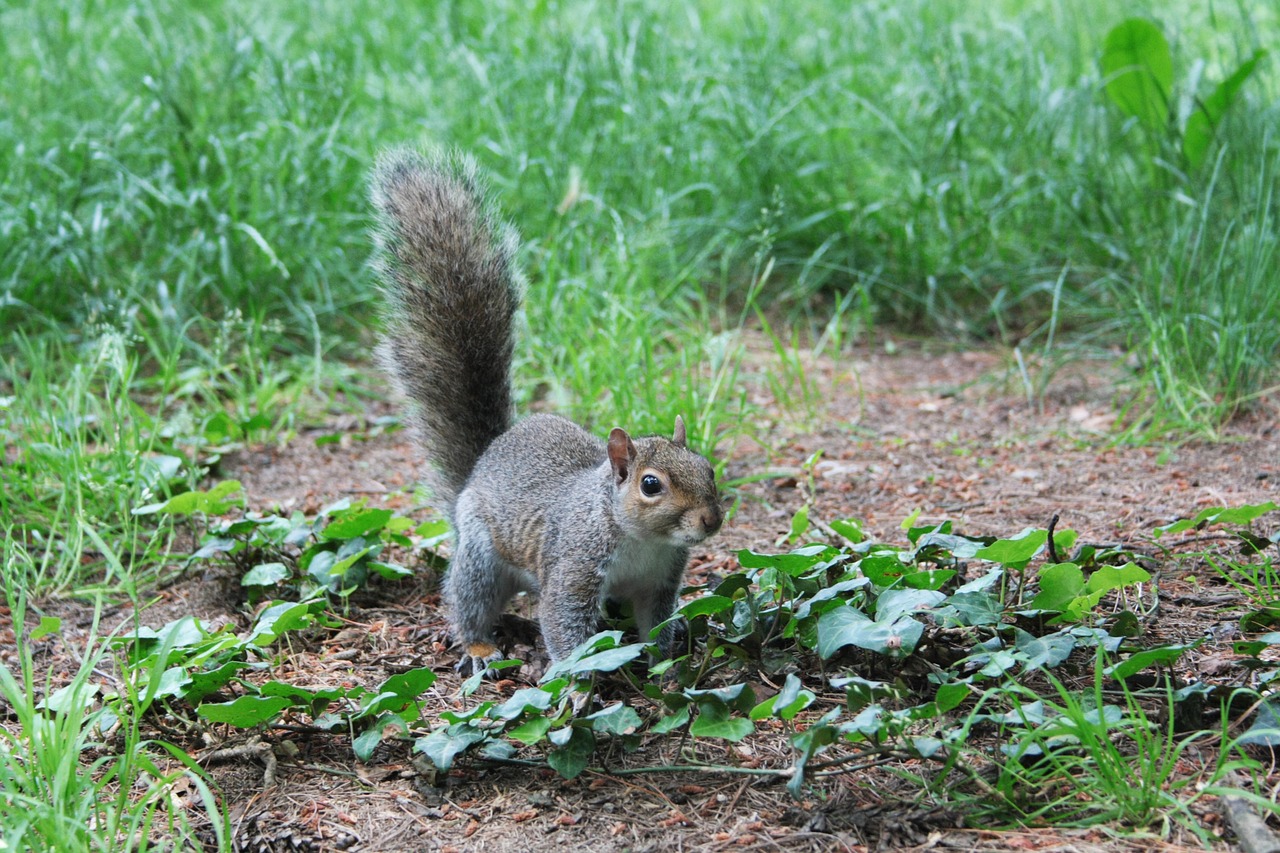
{"x": 447, "y": 264}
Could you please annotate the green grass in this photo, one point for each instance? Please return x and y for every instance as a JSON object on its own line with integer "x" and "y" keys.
{"x": 183, "y": 218}
{"x": 77, "y": 772}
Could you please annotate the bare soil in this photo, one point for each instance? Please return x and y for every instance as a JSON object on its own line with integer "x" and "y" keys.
{"x": 950, "y": 434}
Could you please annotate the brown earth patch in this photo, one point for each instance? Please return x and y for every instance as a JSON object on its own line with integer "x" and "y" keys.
{"x": 950, "y": 434}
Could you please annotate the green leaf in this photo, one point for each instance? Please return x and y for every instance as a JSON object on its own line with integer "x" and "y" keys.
{"x": 799, "y": 524}
{"x": 845, "y": 626}
{"x": 531, "y": 731}
{"x": 925, "y": 747}
{"x": 786, "y": 703}
{"x": 671, "y": 722}
{"x": 390, "y": 571}
{"x": 1043, "y": 652}
{"x": 356, "y": 523}
{"x": 708, "y": 605}
{"x": 883, "y": 570}
{"x": 265, "y": 574}
{"x": 1060, "y": 584}
{"x": 173, "y": 682}
{"x": 1138, "y": 661}
{"x": 585, "y": 658}
{"x": 521, "y": 702}
{"x": 1108, "y": 578}
{"x": 245, "y": 712}
{"x": 1016, "y": 552}
{"x": 794, "y": 564}
{"x": 1218, "y": 515}
{"x": 713, "y": 720}
{"x": 281, "y": 617}
{"x": 1137, "y": 67}
{"x": 617, "y": 719}
{"x": 211, "y": 681}
{"x": 1203, "y": 123}
{"x": 48, "y": 625}
{"x": 367, "y": 741}
{"x": 213, "y": 502}
{"x": 899, "y": 602}
{"x": 970, "y": 609}
{"x": 399, "y": 691}
{"x": 447, "y": 743}
{"x": 571, "y": 759}
{"x": 949, "y": 696}
{"x": 1265, "y": 729}
{"x": 931, "y": 579}
{"x": 76, "y": 696}
{"x": 849, "y": 529}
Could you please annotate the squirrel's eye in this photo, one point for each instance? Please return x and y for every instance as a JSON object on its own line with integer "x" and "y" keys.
{"x": 650, "y": 485}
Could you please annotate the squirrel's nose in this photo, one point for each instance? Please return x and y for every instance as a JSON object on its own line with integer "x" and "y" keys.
{"x": 711, "y": 520}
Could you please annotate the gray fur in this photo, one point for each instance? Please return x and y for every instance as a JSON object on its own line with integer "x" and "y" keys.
{"x": 541, "y": 505}
{"x": 448, "y": 271}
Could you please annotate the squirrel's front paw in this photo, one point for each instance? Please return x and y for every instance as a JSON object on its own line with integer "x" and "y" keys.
{"x": 477, "y": 659}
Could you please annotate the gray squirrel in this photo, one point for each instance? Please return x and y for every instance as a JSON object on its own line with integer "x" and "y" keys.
{"x": 537, "y": 504}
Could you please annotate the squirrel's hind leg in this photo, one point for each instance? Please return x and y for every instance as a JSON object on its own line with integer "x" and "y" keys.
{"x": 477, "y": 587}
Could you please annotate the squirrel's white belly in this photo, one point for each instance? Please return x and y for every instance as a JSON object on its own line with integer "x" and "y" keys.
{"x": 636, "y": 566}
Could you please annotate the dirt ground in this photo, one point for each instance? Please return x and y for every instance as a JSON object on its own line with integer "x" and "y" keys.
{"x": 951, "y": 434}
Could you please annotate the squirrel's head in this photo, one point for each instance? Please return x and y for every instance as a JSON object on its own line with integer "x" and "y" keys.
{"x": 664, "y": 488}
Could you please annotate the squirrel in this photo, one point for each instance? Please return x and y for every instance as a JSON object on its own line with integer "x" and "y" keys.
{"x": 537, "y": 504}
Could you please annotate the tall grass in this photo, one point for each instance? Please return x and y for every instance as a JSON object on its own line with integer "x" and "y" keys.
{"x": 75, "y": 771}
{"x": 190, "y": 181}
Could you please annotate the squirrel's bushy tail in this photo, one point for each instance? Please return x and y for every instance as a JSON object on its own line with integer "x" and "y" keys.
{"x": 447, "y": 263}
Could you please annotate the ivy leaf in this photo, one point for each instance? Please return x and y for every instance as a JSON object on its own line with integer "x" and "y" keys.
{"x": 356, "y": 523}
{"x": 265, "y": 574}
{"x": 216, "y": 501}
{"x": 796, "y": 563}
{"x": 601, "y": 653}
{"x": 786, "y": 703}
{"x": 367, "y": 741}
{"x": 932, "y": 579}
{"x": 571, "y": 758}
{"x": 1265, "y": 729}
{"x": 671, "y": 722}
{"x": 970, "y": 609}
{"x": 708, "y": 605}
{"x": 49, "y": 625}
{"x": 898, "y": 602}
{"x": 1016, "y": 552}
{"x": 522, "y": 701}
{"x": 1060, "y": 584}
{"x": 799, "y": 524}
{"x": 713, "y": 720}
{"x": 1138, "y": 661}
{"x": 245, "y": 712}
{"x": 949, "y": 696}
{"x": 531, "y": 731}
{"x": 281, "y": 617}
{"x": 398, "y": 692}
{"x": 883, "y": 570}
{"x": 845, "y": 626}
{"x": 1241, "y": 515}
{"x": 1108, "y": 578}
{"x": 617, "y": 719}
{"x": 390, "y": 571}
{"x": 211, "y": 681}
{"x": 448, "y": 742}
{"x": 1043, "y": 652}
{"x": 849, "y": 529}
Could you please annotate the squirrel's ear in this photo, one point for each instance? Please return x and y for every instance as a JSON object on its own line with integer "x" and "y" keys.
{"x": 679, "y": 438}
{"x": 622, "y": 452}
